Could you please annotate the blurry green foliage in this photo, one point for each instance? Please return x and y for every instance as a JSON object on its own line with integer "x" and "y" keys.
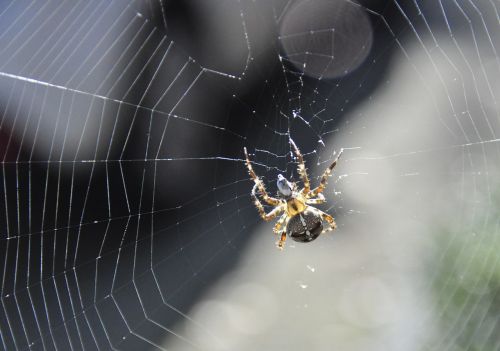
{"x": 466, "y": 283}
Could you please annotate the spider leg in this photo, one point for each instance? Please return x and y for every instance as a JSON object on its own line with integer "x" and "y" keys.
{"x": 317, "y": 200}
{"x": 324, "y": 177}
{"x": 268, "y": 199}
{"x": 301, "y": 169}
{"x": 279, "y": 224}
{"x": 327, "y": 218}
{"x": 281, "y": 243}
{"x": 265, "y": 216}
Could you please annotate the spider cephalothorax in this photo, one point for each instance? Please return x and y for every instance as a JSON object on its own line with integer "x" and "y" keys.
{"x": 303, "y": 222}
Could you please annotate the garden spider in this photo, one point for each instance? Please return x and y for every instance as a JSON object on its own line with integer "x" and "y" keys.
{"x": 303, "y": 223}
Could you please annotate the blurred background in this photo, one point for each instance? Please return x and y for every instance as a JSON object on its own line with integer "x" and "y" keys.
{"x": 125, "y": 216}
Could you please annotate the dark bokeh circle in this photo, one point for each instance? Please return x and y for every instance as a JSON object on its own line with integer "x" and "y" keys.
{"x": 326, "y": 38}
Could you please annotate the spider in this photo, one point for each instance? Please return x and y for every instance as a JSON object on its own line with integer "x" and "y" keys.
{"x": 301, "y": 222}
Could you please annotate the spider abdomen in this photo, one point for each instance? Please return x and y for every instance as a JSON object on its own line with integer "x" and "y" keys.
{"x": 305, "y": 226}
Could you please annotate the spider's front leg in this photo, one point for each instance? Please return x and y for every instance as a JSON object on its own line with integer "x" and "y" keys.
{"x": 324, "y": 178}
{"x": 265, "y": 216}
{"x": 268, "y": 199}
{"x": 301, "y": 169}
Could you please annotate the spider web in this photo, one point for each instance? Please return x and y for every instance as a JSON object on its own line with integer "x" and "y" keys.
{"x": 125, "y": 197}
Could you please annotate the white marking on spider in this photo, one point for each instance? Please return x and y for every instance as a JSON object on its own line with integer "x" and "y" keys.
{"x": 303, "y": 221}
